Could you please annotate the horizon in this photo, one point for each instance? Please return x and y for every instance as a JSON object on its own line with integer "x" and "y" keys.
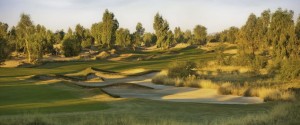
{"x": 216, "y": 15}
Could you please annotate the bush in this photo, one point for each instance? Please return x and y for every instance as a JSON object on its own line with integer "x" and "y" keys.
{"x": 290, "y": 69}
{"x": 71, "y": 47}
{"x": 181, "y": 69}
{"x": 258, "y": 63}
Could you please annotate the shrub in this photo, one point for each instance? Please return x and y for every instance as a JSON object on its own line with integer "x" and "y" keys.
{"x": 290, "y": 69}
{"x": 71, "y": 47}
{"x": 181, "y": 69}
{"x": 207, "y": 84}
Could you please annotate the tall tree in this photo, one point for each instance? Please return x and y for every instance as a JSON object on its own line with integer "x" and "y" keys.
{"x": 247, "y": 35}
{"x": 96, "y": 31}
{"x": 138, "y": 35}
{"x": 161, "y": 28}
{"x": 59, "y": 36}
{"x": 25, "y": 31}
{"x": 80, "y": 32}
{"x": 178, "y": 35}
{"x": 200, "y": 34}
{"x": 188, "y": 36}
{"x": 282, "y": 34}
{"x": 297, "y": 29}
{"x": 71, "y": 45}
{"x": 3, "y": 42}
{"x": 231, "y": 34}
{"x": 109, "y": 27}
{"x": 123, "y": 38}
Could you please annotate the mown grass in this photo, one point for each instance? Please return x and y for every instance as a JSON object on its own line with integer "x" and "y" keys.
{"x": 22, "y": 96}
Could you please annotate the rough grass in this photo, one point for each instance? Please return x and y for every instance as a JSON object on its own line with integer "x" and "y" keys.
{"x": 285, "y": 113}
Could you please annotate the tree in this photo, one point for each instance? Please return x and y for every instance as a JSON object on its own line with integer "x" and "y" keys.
{"x": 247, "y": 35}
{"x": 188, "y": 37}
{"x": 214, "y": 37}
{"x": 149, "y": 39}
{"x": 109, "y": 27}
{"x": 282, "y": 34}
{"x": 170, "y": 41}
{"x": 80, "y": 32}
{"x": 263, "y": 28}
{"x": 12, "y": 40}
{"x": 161, "y": 28}
{"x": 59, "y": 36}
{"x": 138, "y": 35}
{"x": 200, "y": 34}
{"x": 26, "y": 37}
{"x": 88, "y": 40}
{"x": 96, "y": 31}
{"x": 297, "y": 28}
{"x": 4, "y": 50}
{"x": 231, "y": 34}
{"x": 123, "y": 38}
{"x": 178, "y": 35}
{"x": 71, "y": 45}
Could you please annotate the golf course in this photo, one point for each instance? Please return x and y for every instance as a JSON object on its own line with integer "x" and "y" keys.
{"x": 138, "y": 62}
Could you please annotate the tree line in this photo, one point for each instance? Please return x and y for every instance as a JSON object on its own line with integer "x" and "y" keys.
{"x": 36, "y": 40}
{"x": 271, "y": 41}
{"x": 268, "y": 36}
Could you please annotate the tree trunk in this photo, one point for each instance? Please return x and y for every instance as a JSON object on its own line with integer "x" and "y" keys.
{"x": 28, "y": 50}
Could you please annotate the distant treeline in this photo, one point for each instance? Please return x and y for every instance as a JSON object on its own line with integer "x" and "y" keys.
{"x": 273, "y": 34}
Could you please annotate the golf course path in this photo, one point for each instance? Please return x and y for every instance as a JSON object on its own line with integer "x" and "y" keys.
{"x": 167, "y": 93}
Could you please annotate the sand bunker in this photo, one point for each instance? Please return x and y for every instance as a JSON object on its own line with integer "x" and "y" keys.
{"x": 167, "y": 93}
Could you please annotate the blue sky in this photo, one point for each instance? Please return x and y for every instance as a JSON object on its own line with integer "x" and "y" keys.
{"x": 216, "y": 15}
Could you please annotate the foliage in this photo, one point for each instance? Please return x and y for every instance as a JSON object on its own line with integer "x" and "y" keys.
{"x": 149, "y": 39}
{"x": 123, "y": 38}
{"x": 71, "y": 45}
{"x": 96, "y": 31}
{"x": 109, "y": 26}
{"x": 161, "y": 28}
{"x": 138, "y": 35}
{"x": 178, "y": 35}
{"x": 188, "y": 37}
{"x": 200, "y": 34}
{"x": 229, "y": 35}
{"x": 4, "y": 49}
{"x": 87, "y": 43}
{"x": 290, "y": 69}
{"x": 282, "y": 34}
{"x": 181, "y": 69}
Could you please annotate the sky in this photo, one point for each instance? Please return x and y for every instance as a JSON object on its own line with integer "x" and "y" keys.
{"x": 216, "y": 15}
